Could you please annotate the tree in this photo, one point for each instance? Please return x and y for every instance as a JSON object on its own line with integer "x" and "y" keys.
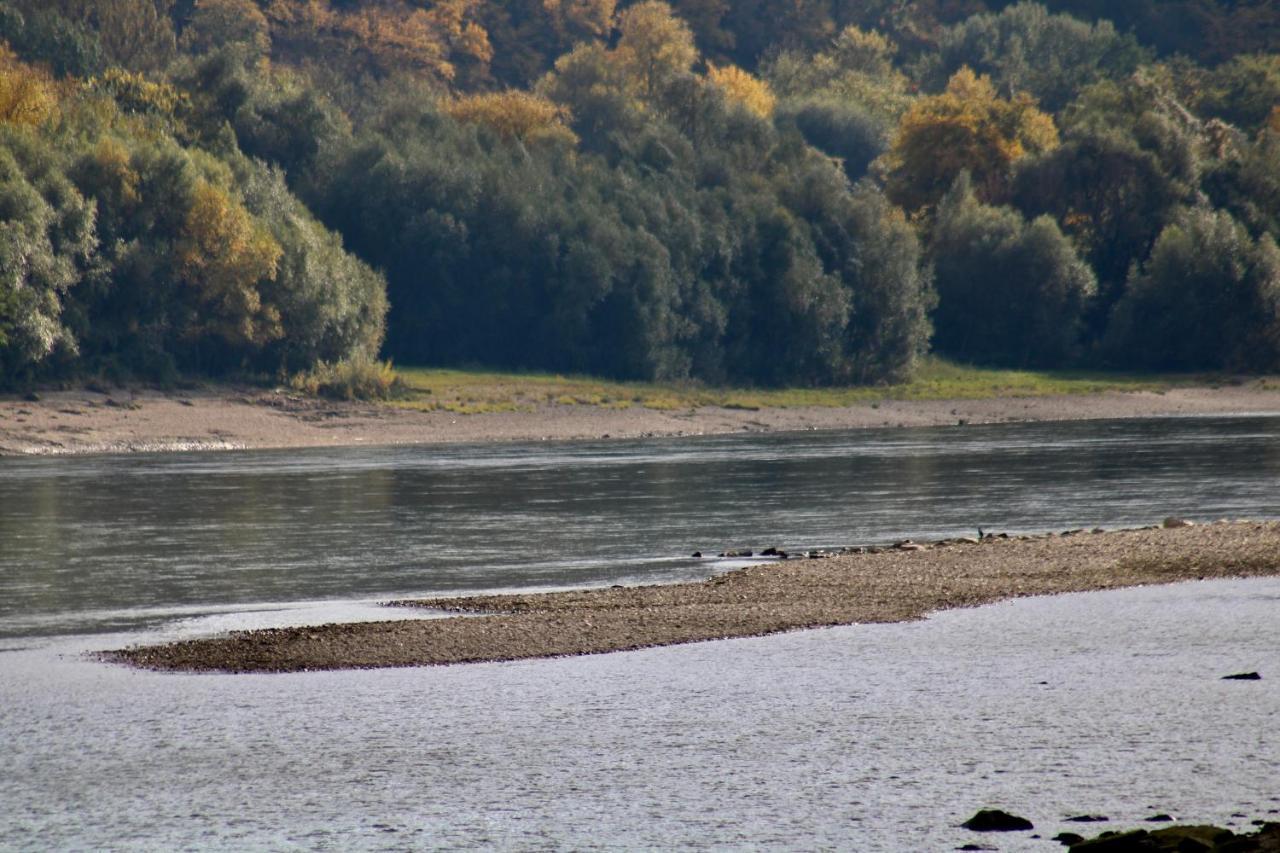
{"x": 856, "y": 71}
{"x": 1208, "y": 298}
{"x": 223, "y": 256}
{"x": 332, "y": 306}
{"x": 966, "y": 128}
{"x": 741, "y": 88}
{"x": 1132, "y": 154}
{"x": 1244, "y": 91}
{"x": 654, "y": 46}
{"x": 28, "y": 96}
{"x": 44, "y": 36}
{"x": 217, "y": 23}
{"x": 1027, "y": 50}
{"x": 760, "y": 25}
{"x": 46, "y": 241}
{"x": 513, "y": 115}
{"x": 135, "y": 34}
{"x": 1247, "y": 183}
{"x": 1010, "y": 293}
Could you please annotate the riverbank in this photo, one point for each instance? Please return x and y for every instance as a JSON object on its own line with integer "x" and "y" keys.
{"x": 894, "y": 584}
{"x": 225, "y": 418}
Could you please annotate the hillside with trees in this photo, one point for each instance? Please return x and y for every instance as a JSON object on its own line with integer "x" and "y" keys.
{"x": 770, "y": 192}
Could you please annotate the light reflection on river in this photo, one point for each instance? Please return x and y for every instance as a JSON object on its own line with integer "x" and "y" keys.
{"x": 106, "y": 542}
{"x": 874, "y": 737}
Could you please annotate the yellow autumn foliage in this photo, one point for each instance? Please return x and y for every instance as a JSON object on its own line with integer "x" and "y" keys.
{"x": 742, "y": 88}
{"x": 965, "y": 128}
{"x": 224, "y": 254}
{"x": 28, "y": 95}
{"x": 655, "y": 45}
{"x": 513, "y": 114}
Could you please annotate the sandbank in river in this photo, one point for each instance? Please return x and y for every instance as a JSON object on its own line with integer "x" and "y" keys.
{"x": 869, "y": 585}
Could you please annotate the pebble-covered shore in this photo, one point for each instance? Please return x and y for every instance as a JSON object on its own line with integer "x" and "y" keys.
{"x": 897, "y": 583}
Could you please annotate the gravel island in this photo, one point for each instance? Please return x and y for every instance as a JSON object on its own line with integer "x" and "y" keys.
{"x": 898, "y": 582}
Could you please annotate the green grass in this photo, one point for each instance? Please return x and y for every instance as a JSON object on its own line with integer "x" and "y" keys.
{"x": 478, "y": 391}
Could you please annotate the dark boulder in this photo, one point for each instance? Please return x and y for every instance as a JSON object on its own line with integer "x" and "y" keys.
{"x": 994, "y": 820}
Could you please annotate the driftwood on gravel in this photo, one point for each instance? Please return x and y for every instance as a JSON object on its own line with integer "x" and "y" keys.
{"x": 894, "y": 585}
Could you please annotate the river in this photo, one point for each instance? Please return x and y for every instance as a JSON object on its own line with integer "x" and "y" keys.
{"x": 863, "y": 736}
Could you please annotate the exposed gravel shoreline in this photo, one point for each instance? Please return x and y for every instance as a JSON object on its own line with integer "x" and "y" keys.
{"x": 890, "y": 585}
{"x": 72, "y": 422}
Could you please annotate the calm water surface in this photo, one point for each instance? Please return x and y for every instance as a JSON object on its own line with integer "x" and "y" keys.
{"x": 102, "y": 542}
{"x": 875, "y": 737}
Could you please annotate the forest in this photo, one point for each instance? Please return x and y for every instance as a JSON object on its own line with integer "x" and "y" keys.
{"x": 760, "y": 192}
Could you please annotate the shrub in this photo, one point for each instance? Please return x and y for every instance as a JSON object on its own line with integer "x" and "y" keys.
{"x": 357, "y": 378}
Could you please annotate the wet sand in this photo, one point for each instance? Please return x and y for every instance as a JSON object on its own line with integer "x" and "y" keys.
{"x": 898, "y": 583}
{"x": 115, "y": 421}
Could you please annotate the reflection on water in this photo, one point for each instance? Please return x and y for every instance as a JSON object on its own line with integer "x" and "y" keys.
{"x": 875, "y": 737}
{"x": 879, "y": 737}
{"x": 102, "y": 543}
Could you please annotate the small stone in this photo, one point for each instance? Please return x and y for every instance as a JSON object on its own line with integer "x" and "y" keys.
{"x": 995, "y": 820}
{"x": 1243, "y": 676}
{"x": 1066, "y": 839}
{"x": 1160, "y": 818}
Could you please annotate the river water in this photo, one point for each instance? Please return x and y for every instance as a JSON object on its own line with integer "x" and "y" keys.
{"x": 875, "y": 737}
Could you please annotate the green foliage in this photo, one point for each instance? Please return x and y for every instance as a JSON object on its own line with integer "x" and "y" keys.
{"x": 1208, "y": 298}
{"x": 845, "y": 131}
{"x": 123, "y": 249}
{"x": 1246, "y": 182}
{"x": 1010, "y": 292}
{"x": 700, "y": 244}
{"x": 1132, "y": 153}
{"x": 707, "y": 189}
{"x": 856, "y": 72}
{"x": 1026, "y": 49}
{"x": 46, "y": 245}
{"x": 43, "y": 35}
{"x": 1243, "y": 91}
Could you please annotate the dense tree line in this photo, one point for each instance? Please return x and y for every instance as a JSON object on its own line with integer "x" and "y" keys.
{"x": 764, "y": 191}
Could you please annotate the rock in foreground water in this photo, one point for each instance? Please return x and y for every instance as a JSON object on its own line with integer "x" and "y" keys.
{"x": 995, "y": 820}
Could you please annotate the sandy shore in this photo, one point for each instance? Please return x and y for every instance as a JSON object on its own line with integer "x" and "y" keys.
{"x": 124, "y": 421}
{"x": 884, "y": 585}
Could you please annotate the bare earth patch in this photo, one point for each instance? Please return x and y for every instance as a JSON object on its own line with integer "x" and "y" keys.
{"x": 128, "y": 421}
{"x": 895, "y": 584}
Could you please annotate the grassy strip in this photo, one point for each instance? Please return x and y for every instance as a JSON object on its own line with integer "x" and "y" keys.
{"x": 479, "y": 391}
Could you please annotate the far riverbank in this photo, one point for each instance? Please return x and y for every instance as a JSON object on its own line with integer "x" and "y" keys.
{"x": 225, "y": 418}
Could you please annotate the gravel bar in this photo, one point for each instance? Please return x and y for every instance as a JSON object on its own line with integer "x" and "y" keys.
{"x": 896, "y": 583}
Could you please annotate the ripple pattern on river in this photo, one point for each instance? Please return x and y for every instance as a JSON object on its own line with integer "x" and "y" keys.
{"x": 876, "y": 737}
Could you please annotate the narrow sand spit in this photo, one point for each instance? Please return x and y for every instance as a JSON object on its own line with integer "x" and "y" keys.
{"x": 90, "y": 422}
{"x": 893, "y": 584}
